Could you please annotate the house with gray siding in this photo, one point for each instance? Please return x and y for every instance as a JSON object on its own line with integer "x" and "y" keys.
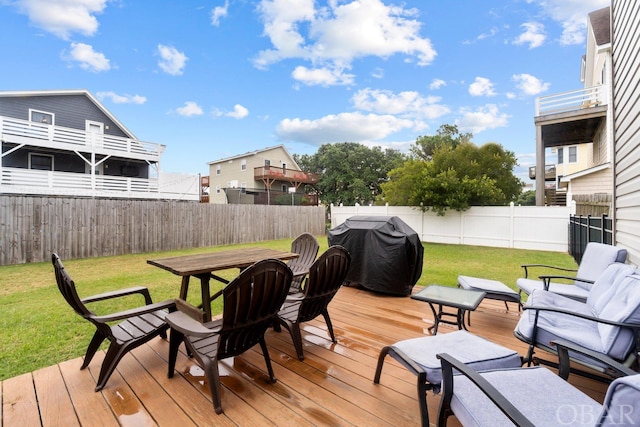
{"x": 626, "y": 116}
{"x": 66, "y": 143}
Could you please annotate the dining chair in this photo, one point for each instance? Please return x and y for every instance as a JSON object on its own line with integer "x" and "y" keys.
{"x": 125, "y": 330}
{"x": 325, "y": 277}
{"x": 250, "y": 304}
{"x": 306, "y": 246}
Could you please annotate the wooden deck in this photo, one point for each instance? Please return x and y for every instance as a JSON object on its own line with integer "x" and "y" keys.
{"x": 332, "y": 387}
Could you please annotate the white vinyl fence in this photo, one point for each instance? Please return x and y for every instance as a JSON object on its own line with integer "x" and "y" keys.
{"x": 520, "y": 227}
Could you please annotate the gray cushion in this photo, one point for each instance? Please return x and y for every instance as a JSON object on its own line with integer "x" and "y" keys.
{"x": 595, "y": 259}
{"x": 602, "y": 290}
{"x": 487, "y": 285}
{"x": 622, "y": 403}
{"x": 473, "y": 350}
{"x": 543, "y": 397}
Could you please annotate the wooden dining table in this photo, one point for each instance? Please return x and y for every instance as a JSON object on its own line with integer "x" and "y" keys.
{"x": 203, "y": 265}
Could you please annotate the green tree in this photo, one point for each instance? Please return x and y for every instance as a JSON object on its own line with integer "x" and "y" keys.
{"x": 446, "y": 136}
{"x": 458, "y": 174}
{"x": 526, "y": 198}
{"x": 350, "y": 172}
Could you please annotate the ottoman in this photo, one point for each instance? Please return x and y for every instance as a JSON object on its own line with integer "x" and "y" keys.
{"x": 493, "y": 289}
{"x": 419, "y": 356}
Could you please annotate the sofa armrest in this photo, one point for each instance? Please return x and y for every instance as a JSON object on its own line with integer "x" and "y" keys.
{"x": 616, "y": 369}
{"x": 553, "y": 267}
{"x": 448, "y": 364}
{"x": 632, "y": 326}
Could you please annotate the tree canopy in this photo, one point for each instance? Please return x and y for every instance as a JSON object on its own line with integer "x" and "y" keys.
{"x": 448, "y": 171}
{"x": 350, "y": 172}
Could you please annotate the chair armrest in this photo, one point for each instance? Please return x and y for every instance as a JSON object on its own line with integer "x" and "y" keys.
{"x": 527, "y": 266}
{"x": 120, "y": 293}
{"x": 126, "y": 314}
{"x": 449, "y": 362}
{"x": 188, "y": 326}
{"x": 616, "y": 369}
{"x": 546, "y": 279}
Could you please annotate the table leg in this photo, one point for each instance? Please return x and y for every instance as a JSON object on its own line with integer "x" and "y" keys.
{"x": 184, "y": 287}
{"x": 436, "y": 318}
{"x": 461, "y": 324}
{"x": 206, "y": 297}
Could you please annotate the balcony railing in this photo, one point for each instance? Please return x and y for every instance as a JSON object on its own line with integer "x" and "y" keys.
{"x": 572, "y": 101}
{"x": 27, "y": 132}
{"x": 31, "y": 181}
{"x": 280, "y": 174}
{"x": 549, "y": 172}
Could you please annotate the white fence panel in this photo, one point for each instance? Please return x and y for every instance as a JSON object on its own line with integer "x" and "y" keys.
{"x": 521, "y": 227}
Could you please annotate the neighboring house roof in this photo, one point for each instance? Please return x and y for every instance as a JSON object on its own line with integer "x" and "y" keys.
{"x": 601, "y": 24}
{"x": 585, "y": 172}
{"x": 254, "y": 153}
{"x": 24, "y": 93}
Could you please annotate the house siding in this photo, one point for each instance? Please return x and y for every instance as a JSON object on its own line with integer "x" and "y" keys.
{"x": 594, "y": 183}
{"x": 70, "y": 111}
{"x": 626, "y": 90}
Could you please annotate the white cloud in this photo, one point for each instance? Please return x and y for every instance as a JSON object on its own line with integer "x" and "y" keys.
{"x": 239, "y": 112}
{"x": 530, "y": 85}
{"x": 342, "y": 127}
{"x": 87, "y": 58}
{"x": 437, "y": 84}
{"x": 218, "y": 13}
{"x": 172, "y": 61}
{"x": 572, "y": 15}
{"x": 189, "y": 109}
{"x": 322, "y": 76}
{"x": 63, "y": 18}
{"x": 407, "y": 104}
{"x": 336, "y": 34}
{"x": 533, "y": 35}
{"x": 121, "y": 99}
{"x": 483, "y": 118}
{"x": 482, "y": 87}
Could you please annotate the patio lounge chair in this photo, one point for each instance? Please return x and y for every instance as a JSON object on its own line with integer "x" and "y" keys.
{"x": 125, "y": 330}
{"x": 419, "y": 356}
{"x": 596, "y": 258}
{"x": 534, "y": 396}
{"x": 306, "y": 246}
{"x": 251, "y": 302}
{"x": 608, "y": 323}
{"x": 326, "y": 275}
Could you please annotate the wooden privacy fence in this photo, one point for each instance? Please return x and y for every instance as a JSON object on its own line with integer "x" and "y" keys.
{"x": 32, "y": 227}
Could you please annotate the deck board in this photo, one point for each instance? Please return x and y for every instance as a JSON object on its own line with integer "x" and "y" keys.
{"x": 333, "y": 386}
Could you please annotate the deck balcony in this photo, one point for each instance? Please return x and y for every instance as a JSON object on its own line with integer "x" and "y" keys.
{"x": 272, "y": 173}
{"x": 25, "y": 132}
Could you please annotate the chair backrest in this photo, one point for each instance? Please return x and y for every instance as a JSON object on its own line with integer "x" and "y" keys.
{"x": 596, "y": 258}
{"x": 623, "y": 307}
{"x": 67, "y": 288}
{"x": 306, "y": 246}
{"x": 251, "y": 302}
{"x": 603, "y": 290}
{"x": 326, "y": 275}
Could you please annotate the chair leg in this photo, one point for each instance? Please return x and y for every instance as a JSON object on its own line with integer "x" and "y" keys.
{"x": 267, "y": 359}
{"x": 213, "y": 376}
{"x": 94, "y": 345}
{"x": 327, "y": 319}
{"x": 422, "y": 399}
{"x": 383, "y": 354}
{"x": 114, "y": 354}
{"x": 175, "y": 339}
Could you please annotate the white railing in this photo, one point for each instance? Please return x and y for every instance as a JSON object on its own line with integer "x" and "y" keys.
{"x": 571, "y": 101}
{"x": 31, "y": 181}
{"x": 16, "y": 130}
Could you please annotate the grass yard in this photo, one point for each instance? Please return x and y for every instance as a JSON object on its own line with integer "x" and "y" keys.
{"x": 38, "y": 328}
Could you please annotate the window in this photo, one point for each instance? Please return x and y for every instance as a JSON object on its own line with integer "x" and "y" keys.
{"x": 43, "y": 162}
{"x": 568, "y": 154}
{"x": 41, "y": 117}
{"x": 573, "y": 154}
{"x": 218, "y": 169}
{"x": 267, "y": 162}
{"x": 243, "y": 165}
{"x": 560, "y": 156}
{"x": 284, "y": 188}
{"x": 217, "y": 189}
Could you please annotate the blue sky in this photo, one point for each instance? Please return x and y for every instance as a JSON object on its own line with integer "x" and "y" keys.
{"x": 213, "y": 79}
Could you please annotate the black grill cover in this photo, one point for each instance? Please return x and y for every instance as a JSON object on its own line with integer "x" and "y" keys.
{"x": 386, "y": 254}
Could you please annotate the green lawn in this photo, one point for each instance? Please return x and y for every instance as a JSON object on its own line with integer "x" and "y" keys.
{"x": 38, "y": 328}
